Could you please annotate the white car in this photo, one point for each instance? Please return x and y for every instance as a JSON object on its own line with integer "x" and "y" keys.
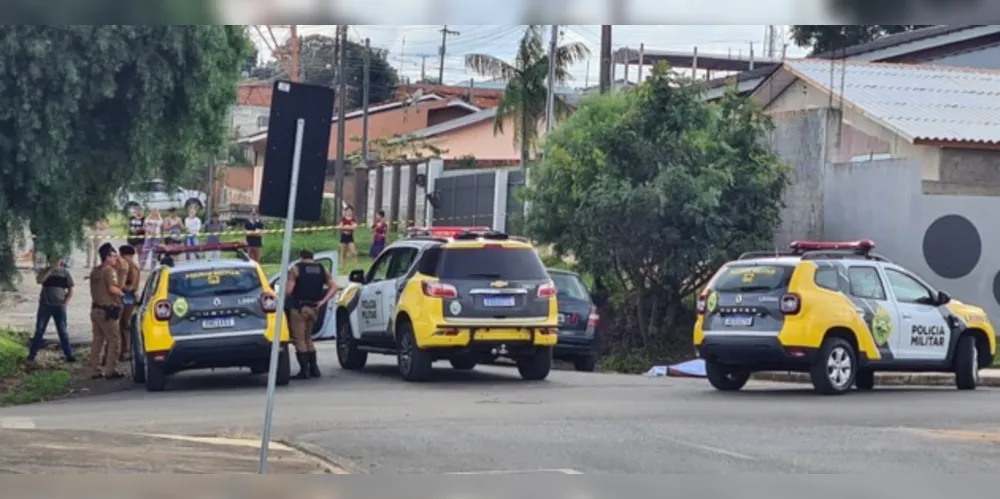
{"x": 326, "y": 321}
{"x": 156, "y": 194}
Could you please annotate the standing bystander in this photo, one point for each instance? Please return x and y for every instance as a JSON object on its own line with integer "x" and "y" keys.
{"x": 380, "y": 230}
{"x": 105, "y": 312}
{"x": 136, "y": 229}
{"x": 173, "y": 228}
{"x": 96, "y": 233}
{"x": 255, "y": 240}
{"x": 153, "y": 229}
{"x": 347, "y": 226}
{"x": 57, "y": 290}
{"x": 213, "y": 229}
{"x": 193, "y": 226}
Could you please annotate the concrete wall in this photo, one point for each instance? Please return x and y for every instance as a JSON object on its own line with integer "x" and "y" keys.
{"x": 940, "y": 237}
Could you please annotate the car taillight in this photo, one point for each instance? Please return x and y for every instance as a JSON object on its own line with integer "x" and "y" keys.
{"x": 702, "y": 303}
{"x": 268, "y": 302}
{"x": 163, "y": 310}
{"x": 593, "y": 319}
{"x": 438, "y": 290}
{"x": 791, "y": 303}
{"x": 547, "y": 290}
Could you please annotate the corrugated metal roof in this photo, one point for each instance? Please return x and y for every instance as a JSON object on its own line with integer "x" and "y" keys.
{"x": 920, "y": 102}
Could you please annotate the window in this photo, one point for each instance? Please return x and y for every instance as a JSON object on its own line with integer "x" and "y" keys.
{"x": 827, "y": 278}
{"x": 401, "y": 263}
{"x": 147, "y": 290}
{"x": 569, "y": 287}
{"x": 514, "y": 264}
{"x": 380, "y": 269}
{"x": 908, "y": 289}
{"x": 201, "y": 283}
{"x": 428, "y": 264}
{"x": 865, "y": 283}
{"x": 156, "y": 187}
{"x": 750, "y": 278}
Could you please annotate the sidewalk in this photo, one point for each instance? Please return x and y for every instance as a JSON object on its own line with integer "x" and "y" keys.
{"x": 987, "y": 377}
{"x": 93, "y": 452}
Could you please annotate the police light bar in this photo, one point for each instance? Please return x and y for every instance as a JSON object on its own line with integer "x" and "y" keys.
{"x": 179, "y": 249}
{"x": 445, "y": 232}
{"x": 862, "y": 245}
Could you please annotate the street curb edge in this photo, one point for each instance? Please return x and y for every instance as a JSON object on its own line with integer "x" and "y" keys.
{"x": 328, "y": 461}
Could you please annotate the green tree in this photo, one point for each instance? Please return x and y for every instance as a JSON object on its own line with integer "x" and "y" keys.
{"x": 830, "y": 37}
{"x": 86, "y": 110}
{"x": 524, "y": 98}
{"x": 653, "y": 190}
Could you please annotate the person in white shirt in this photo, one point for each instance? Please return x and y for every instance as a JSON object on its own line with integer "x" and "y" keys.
{"x": 153, "y": 227}
{"x": 193, "y": 225}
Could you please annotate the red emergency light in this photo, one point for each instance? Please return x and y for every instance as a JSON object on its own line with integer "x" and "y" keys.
{"x": 445, "y": 232}
{"x": 861, "y": 246}
{"x": 179, "y": 249}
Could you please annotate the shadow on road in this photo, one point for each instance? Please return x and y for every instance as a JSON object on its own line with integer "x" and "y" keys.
{"x": 444, "y": 375}
{"x": 757, "y": 393}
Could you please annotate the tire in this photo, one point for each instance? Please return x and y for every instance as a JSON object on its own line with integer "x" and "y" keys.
{"x": 865, "y": 380}
{"x": 966, "y": 363}
{"x": 156, "y": 378}
{"x": 193, "y": 202}
{"x": 348, "y": 354}
{"x": 413, "y": 363}
{"x": 463, "y": 363}
{"x": 537, "y": 366}
{"x": 725, "y": 379}
{"x": 835, "y": 368}
{"x": 585, "y": 364}
{"x": 284, "y": 375}
{"x": 138, "y": 361}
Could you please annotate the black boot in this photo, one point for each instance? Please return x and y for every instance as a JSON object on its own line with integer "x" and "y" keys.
{"x": 303, "y": 359}
{"x": 313, "y": 366}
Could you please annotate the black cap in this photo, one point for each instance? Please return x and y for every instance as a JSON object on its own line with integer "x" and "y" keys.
{"x": 306, "y": 255}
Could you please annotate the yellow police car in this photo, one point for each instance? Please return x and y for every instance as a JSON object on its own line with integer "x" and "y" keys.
{"x": 837, "y": 311}
{"x": 453, "y": 294}
{"x": 205, "y": 314}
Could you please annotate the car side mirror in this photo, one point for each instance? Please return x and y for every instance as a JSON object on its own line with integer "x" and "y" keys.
{"x": 943, "y": 298}
{"x": 357, "y": 276}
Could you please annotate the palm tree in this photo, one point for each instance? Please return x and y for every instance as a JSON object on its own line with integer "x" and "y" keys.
{"x": 526, "y": 93}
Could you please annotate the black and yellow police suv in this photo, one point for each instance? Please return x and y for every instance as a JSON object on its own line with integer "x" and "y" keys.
{"x": 205, "y": 314}
{"x": 839, "y": 312}
{"x": 453, "y": 294}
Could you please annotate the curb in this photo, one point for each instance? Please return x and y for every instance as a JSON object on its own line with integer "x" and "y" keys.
{"x": 883, "y": 379}
{"x": 326, "y": 460}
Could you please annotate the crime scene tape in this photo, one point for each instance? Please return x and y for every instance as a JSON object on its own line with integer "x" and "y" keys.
{"x": 398, "y": 225}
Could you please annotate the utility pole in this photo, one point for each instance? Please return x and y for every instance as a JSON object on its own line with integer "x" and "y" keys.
{"x": 341, "y": 117}
{"x": 423, "y": 68}
{"x": 293, "y": 40}
{"x": 361, "y": 173}
{"x": 550, "y": 101}
{"x": 605, "y": 58}
{"x": 444, "y": 49}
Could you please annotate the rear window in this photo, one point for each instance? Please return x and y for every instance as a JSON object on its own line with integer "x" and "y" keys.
{"x": 201, "y": 283}
{"x": 569, "y": 287}
{"x": 752, "y": 278}
{"x": 512, "y": 264}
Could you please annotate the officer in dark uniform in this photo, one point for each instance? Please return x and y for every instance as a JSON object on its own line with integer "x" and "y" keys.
{"x": 305, "y": 298}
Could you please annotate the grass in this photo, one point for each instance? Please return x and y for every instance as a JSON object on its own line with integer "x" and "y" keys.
{"x": 21, "y": 385}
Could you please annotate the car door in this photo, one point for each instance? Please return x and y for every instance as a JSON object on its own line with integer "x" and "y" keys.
{"x": 925, "y": 334}
{"x": 158, "y": 196}
{"x": 867, "y": 292}
{"x": 400, "y": 265}
{"x": 144, "y": 307}
{"x": 323, "y": 330}
{"x": 369, "y": 303}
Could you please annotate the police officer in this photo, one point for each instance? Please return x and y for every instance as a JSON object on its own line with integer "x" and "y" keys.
{"x": 128, "y": 277}
{"x": 106, "y": 309}
{"x": 305, "y": 297}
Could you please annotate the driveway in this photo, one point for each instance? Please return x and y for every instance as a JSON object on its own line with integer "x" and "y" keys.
{"x": 575, "y": 423}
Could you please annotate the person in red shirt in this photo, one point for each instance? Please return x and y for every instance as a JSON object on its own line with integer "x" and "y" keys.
{"x": 380, "y": 229}
{"x": 347, "y": 226}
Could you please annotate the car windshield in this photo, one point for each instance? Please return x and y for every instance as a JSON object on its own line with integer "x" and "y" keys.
{"x": 199, "y": 283}
{"x": 512, "y": 264}
{"x": 569, "y": 287}
{"x": 749, "y": 278}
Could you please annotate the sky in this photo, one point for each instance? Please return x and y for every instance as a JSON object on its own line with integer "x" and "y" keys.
{"x": 407, "y": 44}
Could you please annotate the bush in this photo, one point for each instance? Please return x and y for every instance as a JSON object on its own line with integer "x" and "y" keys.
{"x": 13, "y": 349}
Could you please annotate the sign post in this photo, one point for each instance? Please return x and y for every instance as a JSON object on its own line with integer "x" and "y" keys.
{"x": 286, "y": 253}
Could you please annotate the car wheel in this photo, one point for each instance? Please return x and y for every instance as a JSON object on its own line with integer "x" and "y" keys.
{"x": 284, "y": 375}
{"x": 585, "y": 364}
{"x": 865, "y": 380}
{"x": 414, "y": 364}
{"x": 535, "y": 366}
{"x": 138, "y": 361}
{"x": 966, "y": 363}
{"x": 835, "y": 368}
{"x": 193, "y": 202}
{"x": 348, "y": 354}
{"x": 463, "y": 363}
{"x": 156, "y": 377}
{"x": 726, "y": 379}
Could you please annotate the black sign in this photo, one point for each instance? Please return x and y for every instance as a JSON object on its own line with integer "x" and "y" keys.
{"x": 290, "y": 102}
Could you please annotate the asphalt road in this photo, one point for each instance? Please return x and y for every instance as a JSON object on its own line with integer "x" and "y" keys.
{"x": 575, "y": 423}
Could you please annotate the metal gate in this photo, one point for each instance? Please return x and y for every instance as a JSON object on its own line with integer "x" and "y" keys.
{"x": 515, "y": 208}
{"x": 465, "y": 199}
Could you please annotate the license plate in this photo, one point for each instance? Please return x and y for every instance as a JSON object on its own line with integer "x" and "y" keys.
{"x": 499, "y": 301}
{"x": 738, "y": 321}
{"x": 218, "y": 323}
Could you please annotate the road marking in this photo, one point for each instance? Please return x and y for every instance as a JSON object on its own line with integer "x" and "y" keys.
{"x": 977, "y": 436}
{"x": 17, "y": 424}
{"x": 713, "y": 450}
{"x": 560, "y": 471}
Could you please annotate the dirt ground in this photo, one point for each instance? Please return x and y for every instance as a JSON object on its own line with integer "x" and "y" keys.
{"x": 90, "y": 452}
